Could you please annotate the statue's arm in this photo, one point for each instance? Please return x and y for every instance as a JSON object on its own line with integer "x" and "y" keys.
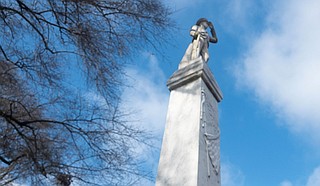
{"x": 194, "y": 31}
{"x": 214, "y": 38}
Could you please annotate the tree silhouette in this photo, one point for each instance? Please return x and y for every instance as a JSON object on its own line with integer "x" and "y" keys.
{"x": 61, "y": 74}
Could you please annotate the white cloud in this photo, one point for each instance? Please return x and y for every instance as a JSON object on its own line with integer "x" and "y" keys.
{"x": 239, "y": 10}
{"x": 147, "y": 96}
{"x": 230, "y": 175}
{"x": 314, "y": 179}
{"x": 237, "y": 16}
{"x": 282, "y": 64}
{"x": 286, "y": 183}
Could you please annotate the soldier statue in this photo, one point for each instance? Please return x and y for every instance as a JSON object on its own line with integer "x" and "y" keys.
{"x": 198, "y": 49}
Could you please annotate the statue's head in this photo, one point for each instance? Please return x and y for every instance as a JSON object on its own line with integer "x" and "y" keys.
{"x": 203, "y": 21}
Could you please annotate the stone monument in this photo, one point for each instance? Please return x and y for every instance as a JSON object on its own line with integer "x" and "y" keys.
{"x": 190, "y": 153}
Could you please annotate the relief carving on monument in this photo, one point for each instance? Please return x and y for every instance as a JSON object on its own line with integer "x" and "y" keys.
{"x": 209, "y": 117}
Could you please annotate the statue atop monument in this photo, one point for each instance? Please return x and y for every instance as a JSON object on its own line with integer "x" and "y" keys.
{"x": 198, "y": 48}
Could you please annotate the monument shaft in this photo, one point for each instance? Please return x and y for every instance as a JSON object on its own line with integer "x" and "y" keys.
{"x": 190, "y": 153}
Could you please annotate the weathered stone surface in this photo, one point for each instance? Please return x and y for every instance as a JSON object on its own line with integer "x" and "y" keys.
{"x": 192, "y": 72}
{"x": 191, "y": 143}
{"x": 180, "y": 146}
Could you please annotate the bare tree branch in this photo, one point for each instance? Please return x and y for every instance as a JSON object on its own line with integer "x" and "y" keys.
{"x": 61, "y": 78}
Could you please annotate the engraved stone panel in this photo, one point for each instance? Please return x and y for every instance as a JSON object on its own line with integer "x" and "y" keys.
{"x": 211, "y": 129}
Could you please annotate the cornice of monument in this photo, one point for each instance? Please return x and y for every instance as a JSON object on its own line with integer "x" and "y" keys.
{"x": 197, "y": 69}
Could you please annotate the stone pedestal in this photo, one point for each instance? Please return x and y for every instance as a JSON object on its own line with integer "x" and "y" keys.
{"x": 190, "y": 153}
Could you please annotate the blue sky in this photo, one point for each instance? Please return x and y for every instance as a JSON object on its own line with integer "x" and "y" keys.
{"x": 267, "y": 65}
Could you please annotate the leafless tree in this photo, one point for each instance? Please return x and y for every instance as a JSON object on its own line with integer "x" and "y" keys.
{"x": 61, "y": 76}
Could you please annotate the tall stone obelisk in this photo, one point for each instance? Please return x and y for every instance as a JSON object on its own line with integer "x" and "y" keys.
{"x": 190, "y": 153}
